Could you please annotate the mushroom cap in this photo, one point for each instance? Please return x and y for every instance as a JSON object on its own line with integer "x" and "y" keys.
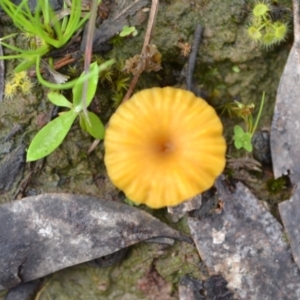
{"x": 164, "y": 146}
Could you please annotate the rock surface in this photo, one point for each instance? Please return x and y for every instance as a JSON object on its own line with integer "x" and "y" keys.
{"x": 244, "y": 243}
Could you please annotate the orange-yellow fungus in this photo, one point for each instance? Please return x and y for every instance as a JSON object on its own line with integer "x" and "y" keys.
{"x": 163, "y": 146}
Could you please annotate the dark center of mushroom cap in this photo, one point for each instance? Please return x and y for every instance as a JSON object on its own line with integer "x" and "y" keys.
{"x": 166, "y": 147}
{"x": 163, "y": 145}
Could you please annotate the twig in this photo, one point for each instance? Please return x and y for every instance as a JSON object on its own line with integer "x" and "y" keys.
{"x": 150, "y": 26}
{"x": 193, "y": 56}
{"x": 88, "y": 54}
{"x": 151, "y": 21}
{"x": 296, "y": 22}
{"x": 132, "y": 86}
{"x": 63, "y": 62}
{"x": 2, "y": 71}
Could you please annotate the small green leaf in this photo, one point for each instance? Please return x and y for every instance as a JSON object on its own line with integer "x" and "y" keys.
{"x": 91, "y": 89}
{"x": 238, "y": 131}
{"x": 106, "y": 65}
{"x": 242, "y": 139}
{"x": 128, "y": 31}
{"x": 236, "y": 69}
{"x": 95, "y": 128}
{"x": 248, "y": 146}
{"x": 24, "y": 65}
{"x": 59, "y": 100}
{"x": 238, "y": 144}
{"x": 50, "y": 136}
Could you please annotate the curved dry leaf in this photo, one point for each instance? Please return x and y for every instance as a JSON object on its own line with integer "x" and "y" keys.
{"x": 284, "y": 138}
{"x": 42, "y": 234}
{"x": 285, "y": 146}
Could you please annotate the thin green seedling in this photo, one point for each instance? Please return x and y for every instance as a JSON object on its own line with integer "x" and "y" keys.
{"x": 45, "y": 25}
{"x": 243, "y": 139}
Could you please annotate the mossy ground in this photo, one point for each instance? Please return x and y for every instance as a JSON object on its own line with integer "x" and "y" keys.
{"x": 225, "y": 45}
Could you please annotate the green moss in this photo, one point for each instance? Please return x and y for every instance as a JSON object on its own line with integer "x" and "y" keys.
{"x": 83, "y": 282}
{"x": 179, "y": 262}
{"x": 278, "y": 185}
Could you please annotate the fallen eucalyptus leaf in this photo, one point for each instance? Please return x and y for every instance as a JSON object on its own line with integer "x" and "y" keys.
{"x": 109, "y": 260}
{"x": 284, "y": 138}
{"x": 290, "y": 215}
{"x": 2, "y": 73}
{"x": 244, "y": 243}
{"x": 24, "y": 291}
{"x": 42, "y": 234}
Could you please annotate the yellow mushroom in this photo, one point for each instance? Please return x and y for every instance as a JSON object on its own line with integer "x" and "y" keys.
{"x": 163, "y": 146}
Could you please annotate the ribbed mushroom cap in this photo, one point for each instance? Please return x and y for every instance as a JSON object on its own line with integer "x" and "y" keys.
{"x": 163, "y": 146}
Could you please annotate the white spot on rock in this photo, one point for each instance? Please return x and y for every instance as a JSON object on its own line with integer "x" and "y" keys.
{"x": 46, "y": 232}
{"x": 218, "y": 236}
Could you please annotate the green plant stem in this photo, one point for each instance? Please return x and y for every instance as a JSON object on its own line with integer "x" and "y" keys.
{"x": 249, "y": 123}
{"x": 69, "y": 84}
{"x": 54, "y": 86}
{"x": 23, "y": 53}
{"x": 259, "y": 114}
{"x": 8, "y": 36}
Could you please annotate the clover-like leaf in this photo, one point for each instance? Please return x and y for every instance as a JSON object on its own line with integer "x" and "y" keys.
{"x": 59, "y": 100}
{"x": 242, "y": 139}
{"x": 238, "y": 144}
{"x": 50, "y": 136}
{"x": 95, "y": 127}
{"x": 238, "y": 132}
{"x": 248, "y": 145}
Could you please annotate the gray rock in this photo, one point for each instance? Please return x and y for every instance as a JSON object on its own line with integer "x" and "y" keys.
{"x": 245, "y": 244}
